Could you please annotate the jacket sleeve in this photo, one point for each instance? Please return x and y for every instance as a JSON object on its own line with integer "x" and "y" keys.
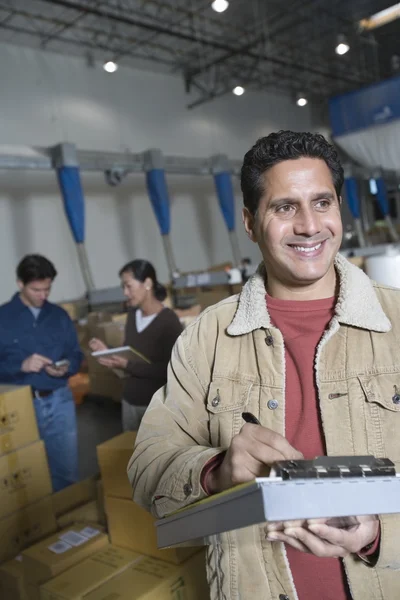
{"x": 173, "y": 443}
{"x": 10, "y": 366}
{"x": 72, "y": 351}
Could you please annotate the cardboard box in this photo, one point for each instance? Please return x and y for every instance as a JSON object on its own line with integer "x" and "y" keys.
{"x": 90, "y": 574}
{"x": 61, "y": 551}
{"x": 17, "y": 418}
{"x": 76, "y": 309}
{"x": 22, "y": 528}
{"x": 74, "y": 495}
{"x": 131, "y": 527}
{"x": 152, "y": 579}
{"x": 88, "y": 512}
{"x": 113, "y": 457}
{"x": 112, "y": 333}
{"x": 120, "y": 318}
{"x": 100, "y": 503}
{"x": 24, "y": 478}
{"x": 12, "y": 586}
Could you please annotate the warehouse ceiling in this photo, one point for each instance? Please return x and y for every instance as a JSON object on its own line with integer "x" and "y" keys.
{"x": 273, "y": 45}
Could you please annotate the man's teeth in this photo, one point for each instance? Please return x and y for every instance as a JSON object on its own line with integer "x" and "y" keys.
{"x": 304, "y": 249}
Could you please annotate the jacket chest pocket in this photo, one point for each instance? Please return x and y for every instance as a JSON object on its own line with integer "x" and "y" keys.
{"x": 382, "y": 395}
{"x": 226, "y": 401}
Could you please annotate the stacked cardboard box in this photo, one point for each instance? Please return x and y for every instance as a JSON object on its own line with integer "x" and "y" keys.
{"x": 129, "y": 525}
{"x": 117, "y": 573}
{"x": 61, "y": 551}
{"x": 85, "y": 577}
{"x": 79, "y": 502}
{"x": 26, "y": 513}
{"x": 103, "y": 381}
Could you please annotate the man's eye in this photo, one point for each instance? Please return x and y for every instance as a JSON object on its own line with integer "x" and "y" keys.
{"x": 323, "y": 204}
{"x": 285, "y": 208}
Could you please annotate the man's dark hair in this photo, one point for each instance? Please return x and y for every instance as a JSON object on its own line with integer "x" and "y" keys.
{"x": 141, "y": 270}
{"x": 35, "y": 268}
{"x": 278, "y": 147}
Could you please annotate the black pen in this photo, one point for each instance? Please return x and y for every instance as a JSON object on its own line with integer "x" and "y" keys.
{"x": 250, "y": 418}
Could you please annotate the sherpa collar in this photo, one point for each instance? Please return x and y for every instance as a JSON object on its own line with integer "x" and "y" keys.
{"x": 357, "y": 304}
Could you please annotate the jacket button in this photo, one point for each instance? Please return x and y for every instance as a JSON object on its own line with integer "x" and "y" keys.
{"x": 283, "y": 597}
{"x": 269, "y": 340}
{"x": 215, "y": 401}
{"x": 187, "y": 489}
{"x": 396, "y": 399}
{"x": 272, "y": 404}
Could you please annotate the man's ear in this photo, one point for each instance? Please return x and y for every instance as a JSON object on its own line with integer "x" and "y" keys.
{"x": 249, "y": 224}
{"x": 20, "y": 285}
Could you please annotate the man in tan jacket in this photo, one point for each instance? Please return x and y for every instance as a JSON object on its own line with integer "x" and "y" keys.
{"x": 311, "y": 348}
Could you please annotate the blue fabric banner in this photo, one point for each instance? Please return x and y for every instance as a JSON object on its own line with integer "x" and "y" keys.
{"x": 353, "y": 200}
{"x": 74, "y": 202}
{"x": 158, "y": 194}
{"x": 223, "y": 185}
{"x": 373, "y": 105}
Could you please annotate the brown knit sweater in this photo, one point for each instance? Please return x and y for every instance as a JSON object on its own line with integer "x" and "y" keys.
{"x": 156, "y": 343}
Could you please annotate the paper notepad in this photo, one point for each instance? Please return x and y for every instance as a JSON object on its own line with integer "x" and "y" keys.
{"x": 124, "y": 351}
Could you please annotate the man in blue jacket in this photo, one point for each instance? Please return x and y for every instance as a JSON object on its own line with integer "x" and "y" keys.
{"x": 39, "y": 347}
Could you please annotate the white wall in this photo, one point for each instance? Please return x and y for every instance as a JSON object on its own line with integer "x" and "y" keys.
{"x": 46, "y": 99}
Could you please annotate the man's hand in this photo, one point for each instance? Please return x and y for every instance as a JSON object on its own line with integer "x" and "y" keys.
{"x": 114, "y": 362}
{"x": 54, "y": 371}
{"x": 35, "y": 363}
{"x": 250, "y": 452}
{"x": 97, "y": 345}
{"x": 326, "y": 537}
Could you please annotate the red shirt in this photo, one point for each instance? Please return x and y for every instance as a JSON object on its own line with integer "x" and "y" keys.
{"x": 302, "y": 324}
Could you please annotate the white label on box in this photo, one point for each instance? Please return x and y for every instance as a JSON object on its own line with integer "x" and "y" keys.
{"x": 59, "y": 547}
{"x": 73, "y": 538}
{"x": 89, "y": 532}
{"x": 19, "y": 558}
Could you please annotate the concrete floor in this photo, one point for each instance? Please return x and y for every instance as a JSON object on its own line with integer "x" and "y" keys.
{"x": 99, "y": 419}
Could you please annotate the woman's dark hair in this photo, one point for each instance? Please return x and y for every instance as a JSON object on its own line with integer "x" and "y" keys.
{"x": 141, "y": 270}
{"x": 278, "y": 147}
{"x": 35, "y": 268}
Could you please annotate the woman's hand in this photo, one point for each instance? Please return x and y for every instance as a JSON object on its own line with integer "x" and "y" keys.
{"x": 114, "y": 362}
{"x": 97, "y": 345}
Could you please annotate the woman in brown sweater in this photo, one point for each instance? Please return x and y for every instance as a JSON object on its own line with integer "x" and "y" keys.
{"x": 151, "y": 329}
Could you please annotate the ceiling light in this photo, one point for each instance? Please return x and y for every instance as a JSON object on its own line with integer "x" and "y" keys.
{"x": 110, "y": 66}
{"x": 342, "y": 45}
{"x": 381, "y": 18}
{"x": 238, "y": 90}
{"x": 301, "y": 100}
{"x": 220, "y": 5}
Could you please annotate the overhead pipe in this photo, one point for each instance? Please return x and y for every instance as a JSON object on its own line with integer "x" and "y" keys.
{"x": 222, "y": 171}
{"x": 159, "y": 198}
{"x": 68, "y": 175}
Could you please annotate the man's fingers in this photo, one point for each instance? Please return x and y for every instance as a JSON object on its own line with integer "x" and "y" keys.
{"x": 336, "y": 537}
{"x": 281, "y": 525}
{"x": 316, "y": 545}
{"x": 273, "y": 440}
{"x": 291, "y": 541}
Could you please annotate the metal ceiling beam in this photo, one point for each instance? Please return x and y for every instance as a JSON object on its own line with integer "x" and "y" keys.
{"x": 84, "y": 44}
{"x": 190, "y": 38}
{"x": 43, "y": 159}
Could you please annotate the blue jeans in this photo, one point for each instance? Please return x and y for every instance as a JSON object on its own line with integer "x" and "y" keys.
{"x": 56, "y": 417}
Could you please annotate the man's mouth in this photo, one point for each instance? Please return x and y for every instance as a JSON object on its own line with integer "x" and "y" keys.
{"x": 308, "y": 249}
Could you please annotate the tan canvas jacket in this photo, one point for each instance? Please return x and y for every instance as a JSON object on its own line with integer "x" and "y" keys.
{"x": 225, "y": 363}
